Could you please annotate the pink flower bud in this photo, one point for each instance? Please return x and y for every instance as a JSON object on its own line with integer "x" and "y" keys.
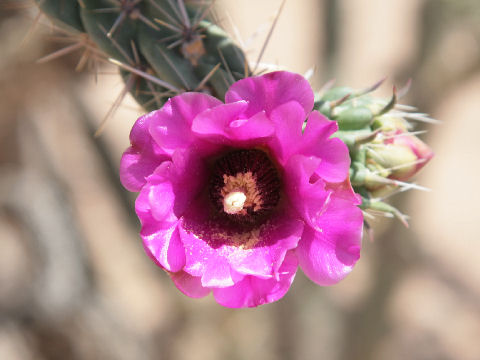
{"x": 401, "y": 154}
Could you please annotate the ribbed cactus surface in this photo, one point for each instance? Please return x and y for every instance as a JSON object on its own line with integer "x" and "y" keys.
{"x": 162, "y": 46}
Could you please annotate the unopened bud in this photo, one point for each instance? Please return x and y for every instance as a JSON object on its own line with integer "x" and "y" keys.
{"x": 402, "y": 154}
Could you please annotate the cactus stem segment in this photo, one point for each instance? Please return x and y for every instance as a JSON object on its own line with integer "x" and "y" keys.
{"x": 126, "y": 9}
{"x": 174, "y": 68}
{"x": 229, "y": 72}
{"x": 163, "y": 12}
{"x": 145, "y": 75}
{"x": 116, "y": 45}
{"x": 207, "y": 77}
{"x": 120, "y": 19}
{"x": 169, "y": 26}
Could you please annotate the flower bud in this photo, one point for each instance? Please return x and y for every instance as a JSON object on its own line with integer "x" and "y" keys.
{"x": 401, "y": 154}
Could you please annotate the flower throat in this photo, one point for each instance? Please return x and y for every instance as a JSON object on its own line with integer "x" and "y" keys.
{"x": 245, "y": 187}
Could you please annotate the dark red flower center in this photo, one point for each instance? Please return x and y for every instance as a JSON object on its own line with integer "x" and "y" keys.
{"x": 245, "y": 187}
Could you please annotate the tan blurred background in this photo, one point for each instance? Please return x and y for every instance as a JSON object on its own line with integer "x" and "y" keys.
{"x": 75, "y": 283}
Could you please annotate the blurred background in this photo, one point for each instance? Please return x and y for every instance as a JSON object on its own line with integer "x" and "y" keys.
{"x": 75, "y": 282}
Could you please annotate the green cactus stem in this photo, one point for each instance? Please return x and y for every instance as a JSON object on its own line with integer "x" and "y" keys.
{"x": 163, "y": 47}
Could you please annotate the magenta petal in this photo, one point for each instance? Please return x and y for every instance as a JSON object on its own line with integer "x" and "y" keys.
{"x": 253, "y": 291}
{"x": 214, "y": 121}
{"x": 189, "y": 285}
{"x": 328, "y": 254}
{"x": 180, "y": 190}
{"x": 335, "y": 163}
{"x": 161, "y": 203}
{"x": 164, "y": 246}
{"x": 265, "y": 93}
{"x": 161, "y": 239}
{"x": 308, "y": 197}
{"x": 226, "y": 124}
{"x": 142, "y": 157}
{"x": 203, "y": 261}
{"x": 264, "y": 259}
{"x": 318, "y": 129}
{"x": 288, "y": 119}
{"x": 218, "y": 273}
{"x": 246, "y": 131}
{"x": 135, "y": 167}
{"x": 161, "y": 198}
{"x": 171, "y": 125}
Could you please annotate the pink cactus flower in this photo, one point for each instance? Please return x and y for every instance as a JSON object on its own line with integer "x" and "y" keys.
{"x": 234, "y": 197}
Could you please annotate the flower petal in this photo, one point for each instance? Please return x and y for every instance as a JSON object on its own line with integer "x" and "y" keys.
{"x": 142, "y": 157}
{"x": 265, "y": 93}
{"x": 253, "y": 291}
{"x": 264, "y": 259}
{"x": 162, "y": 202}
{"x": 189, "y": 285}
{"x": 171, "y": 125}
{"x": 328, "y": 254}
{"x": 181, "y": 189}
{"x": 164, "y": 246}
{"x": 161, "y": 198}
{"x": 288, "y": 119}
{"x": 335, "y": 163}
{"x": 226, "y": 124}
{"x": 307, "y": 196}
{"x": 203, "y": 261}
{"x": 161, "y": 239}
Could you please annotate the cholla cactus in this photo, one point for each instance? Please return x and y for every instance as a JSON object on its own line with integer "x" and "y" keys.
{"x": 385, "y": 152}
{"x": 166, "y": 47}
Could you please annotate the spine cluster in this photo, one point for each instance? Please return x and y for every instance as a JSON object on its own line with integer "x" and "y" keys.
{"x": 162, "y": 47}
